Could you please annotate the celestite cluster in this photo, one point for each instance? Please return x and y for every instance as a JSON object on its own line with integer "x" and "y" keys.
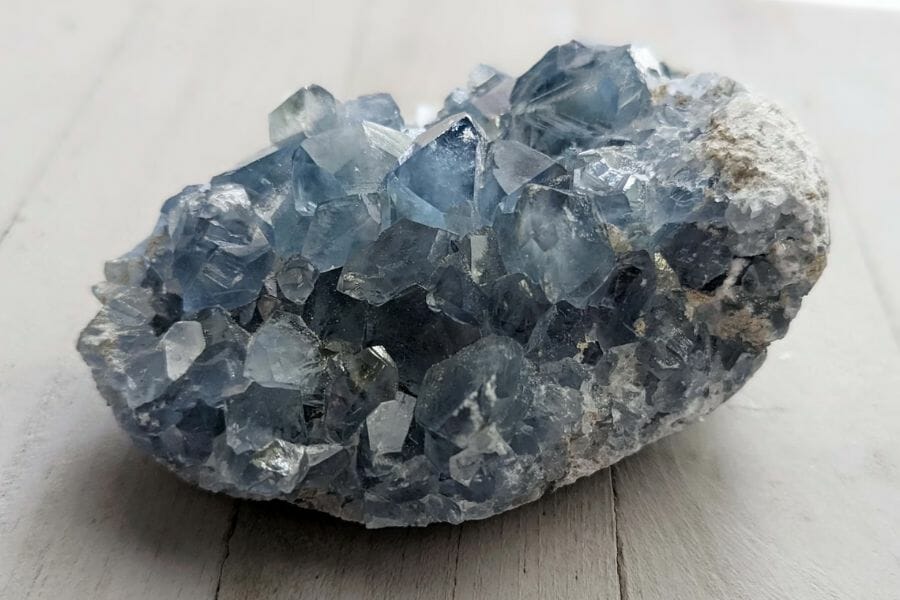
{"x": 401, "y": 326}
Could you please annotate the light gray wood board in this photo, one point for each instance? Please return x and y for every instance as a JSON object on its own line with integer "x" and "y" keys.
{"x": 562, "y": 546}
{"x": 83, "y": 516}
{"x": 54, "y": 56}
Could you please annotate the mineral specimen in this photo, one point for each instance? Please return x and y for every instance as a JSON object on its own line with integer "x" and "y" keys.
{"x": 400, "y": 327}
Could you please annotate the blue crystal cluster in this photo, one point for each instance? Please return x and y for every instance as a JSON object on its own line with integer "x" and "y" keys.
{"x": 401, "y": 326}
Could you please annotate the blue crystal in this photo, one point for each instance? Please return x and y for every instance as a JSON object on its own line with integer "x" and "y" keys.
{"x": 577, "y": 95}
{"x": 222, "y": 249}
{"x": 310, "y": 110}
{"x": 339, "y": 227}
{"x": 402, "y": 328}
{"x": 375, "y": 108}
{"x": 486, "y": 99}
{"x": 554, "y": 239}
{"x": 403, "y": 256}
{"x": 284, "y": 353}
{"x": 435, "y": 183}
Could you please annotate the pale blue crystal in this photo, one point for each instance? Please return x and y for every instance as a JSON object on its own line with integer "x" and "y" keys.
{"x": 259, "y": 416}
{"x": 339, "y": 227}
{"x": 486, "y": 99}
{"x": 375, "y": 108}
{"x": 576, "y": 96}
{"x": 296, "y": 278}
{"x": 359, "y": 382}
{"x": 484, "y": 383}
{"x": 267, "y": 181}
{"x": 388, "y": 424}
{"x": 356, "y": 156}
{"x": 434, "y": 184}
{"x": 222, "y": 249}
{"x": 310, "y": 110}
{"x": 284, "y": 353}
{"x": 554, "y": 239}
{"x": 404, "y": 255}
{"x": 181, "y": 345}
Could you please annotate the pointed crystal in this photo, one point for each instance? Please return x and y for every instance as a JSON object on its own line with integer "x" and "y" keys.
{"x": 339, "y": 228}
{"x": 308, "y": 111}
{"x": 222, "y": 249}
{"x": 375, "y": 108}
{"x": 182, "y": 344}
{"x": 435, "y": 182}
{"x": 486, "y": 99}
{"x": 388, "y": 425}
{"x": 296, "y": 279}
{"x": 575, "y": 95}
{"x": 359, "y": 383}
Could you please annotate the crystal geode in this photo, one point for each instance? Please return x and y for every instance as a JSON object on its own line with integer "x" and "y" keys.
{"x": 400, "y": 326}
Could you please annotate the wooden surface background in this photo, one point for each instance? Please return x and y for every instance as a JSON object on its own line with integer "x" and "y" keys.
{"x": 790, "y": 491}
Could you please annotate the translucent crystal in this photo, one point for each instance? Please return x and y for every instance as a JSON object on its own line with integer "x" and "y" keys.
{"x": 486, "y": 99}
{"x": 221, "y": 249}
{"x": 182, "y": 344}
{"x": 388, "y": 424}
{"x": 375, "y": 108}
{"x": 296, "y": 279}
{"x": 435, "y": 183}
{"x": 283, "y": 353}
{"x": 340, "y": 227}
{"x": 577, "y": 95}
{"x": 401, "y": 326}
{"x": 310, "y": 110}
{"x": 554, "y": 239}
{"x": 403, "y": 256}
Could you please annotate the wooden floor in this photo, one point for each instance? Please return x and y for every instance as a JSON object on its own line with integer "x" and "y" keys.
{"x": 790, "y": 491}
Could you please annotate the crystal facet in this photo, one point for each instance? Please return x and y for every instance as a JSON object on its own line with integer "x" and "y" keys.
{"x": 402, "y": 328}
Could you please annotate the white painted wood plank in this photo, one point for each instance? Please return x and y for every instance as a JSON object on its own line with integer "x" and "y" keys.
{"x": 879, "y": 4}
{"x": 562, "y": 546}
{"x": 80, "y": 515}
{"x": 280, "y": 552}
{"x": 52, "y": 57}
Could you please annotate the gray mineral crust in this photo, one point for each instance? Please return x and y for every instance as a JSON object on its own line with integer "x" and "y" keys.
{"x": 401, "y": 326}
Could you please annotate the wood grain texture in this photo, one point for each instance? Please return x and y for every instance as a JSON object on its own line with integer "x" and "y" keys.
{"x": 789, "y": 491}
{"x": 560, "y": 547}
{"x": 52, "y": 62}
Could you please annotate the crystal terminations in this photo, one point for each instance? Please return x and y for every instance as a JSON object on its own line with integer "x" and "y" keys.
{"x": 402, "y": 326}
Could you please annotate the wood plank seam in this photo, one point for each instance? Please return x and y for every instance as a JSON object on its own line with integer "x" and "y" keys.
{"x": 456, "y": 561}
{"x": 620, "y": 564}
{"x": 113, "y": 55}
{"x": 226, "y": 551}
{"x": 869, "y": 261}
